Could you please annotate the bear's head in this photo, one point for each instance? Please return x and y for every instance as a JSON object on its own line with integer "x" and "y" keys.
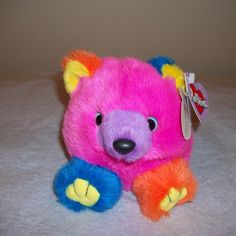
{"x": 123, "y": 112}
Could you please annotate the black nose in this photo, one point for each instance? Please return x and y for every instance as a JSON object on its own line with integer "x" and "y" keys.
{"x": 123, "y": 146}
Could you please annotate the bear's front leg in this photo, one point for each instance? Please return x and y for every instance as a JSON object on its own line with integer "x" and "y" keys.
{"x": 79, "y": 185}
{"x": 160, "y": 189}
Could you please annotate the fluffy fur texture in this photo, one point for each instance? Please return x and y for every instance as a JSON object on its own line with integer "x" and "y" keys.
{"x": 88, "y": 59}
{"x": 114, "y": 101}
{"x": 152, "y": 186}
{"x": 159, "y": 62}
{"x": 106, "y": 182}
{"x": 126, "y": 85}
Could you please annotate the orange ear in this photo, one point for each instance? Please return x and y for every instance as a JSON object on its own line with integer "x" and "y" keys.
{"x": 77, "y": 64}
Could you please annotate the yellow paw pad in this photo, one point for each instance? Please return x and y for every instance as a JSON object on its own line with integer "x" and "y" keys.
{"x": 83, "y": 192}
{"x": 172, "y": 198}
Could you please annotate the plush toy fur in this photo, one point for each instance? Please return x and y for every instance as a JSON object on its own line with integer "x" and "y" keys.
{"x": 110, "y": 185}
{"x": 174, "y": 174}
{"x": 127, "y": 92}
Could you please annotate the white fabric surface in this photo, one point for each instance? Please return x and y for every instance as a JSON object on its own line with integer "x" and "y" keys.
{"x": 31, "y": 152}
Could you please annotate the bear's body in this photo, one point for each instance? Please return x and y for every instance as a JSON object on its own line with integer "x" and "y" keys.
{"x": 125, "y": 85}
{"x": 125, "y": 94}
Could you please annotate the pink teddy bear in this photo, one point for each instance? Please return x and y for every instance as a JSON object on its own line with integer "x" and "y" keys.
{"x": 122, "y": 129}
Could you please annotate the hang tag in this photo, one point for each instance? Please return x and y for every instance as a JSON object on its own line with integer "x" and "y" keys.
{"x": 189, "y": 78}
{"x": 197, "y": 96}
{"x": 186, "y": 123}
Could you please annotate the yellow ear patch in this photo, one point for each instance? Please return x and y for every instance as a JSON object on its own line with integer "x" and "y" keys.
{"x": 174, "y": 72}
{"x": 74, "y": 70}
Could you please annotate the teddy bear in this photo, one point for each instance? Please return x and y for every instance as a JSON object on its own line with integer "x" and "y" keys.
{"x": 123, "y": 130}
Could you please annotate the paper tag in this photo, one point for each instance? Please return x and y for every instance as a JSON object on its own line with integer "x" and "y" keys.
{"x": 197, "y": 96}
{"x": 189, "y": 78}
{"x": 186, "y": 123}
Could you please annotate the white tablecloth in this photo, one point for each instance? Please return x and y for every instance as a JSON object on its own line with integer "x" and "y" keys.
{"x": 31, "y": 152}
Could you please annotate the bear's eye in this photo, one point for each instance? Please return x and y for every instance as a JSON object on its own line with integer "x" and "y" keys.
{"x": 152, "y": 122}
{"x": 99, "y": 118}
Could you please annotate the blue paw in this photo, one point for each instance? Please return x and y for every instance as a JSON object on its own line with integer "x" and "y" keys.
{"x": 103, "y": 183}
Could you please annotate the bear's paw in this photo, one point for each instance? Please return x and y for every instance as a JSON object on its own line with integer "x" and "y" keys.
{"x": 83, "y": 192}
{"x": 172, "y": 198}
{"x": 79, "y": 185}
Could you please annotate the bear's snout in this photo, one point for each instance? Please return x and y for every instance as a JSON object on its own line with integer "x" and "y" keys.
{"x": 125, "y": 135}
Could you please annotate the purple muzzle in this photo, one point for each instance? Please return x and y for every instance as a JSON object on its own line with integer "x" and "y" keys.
{"x": 125, "y": 135}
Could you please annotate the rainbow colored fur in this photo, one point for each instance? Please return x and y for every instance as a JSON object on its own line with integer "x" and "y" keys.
{"x": 123, "y": 126}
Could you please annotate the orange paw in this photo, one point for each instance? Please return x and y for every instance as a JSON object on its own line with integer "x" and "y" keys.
{"x": 160, "y": 189}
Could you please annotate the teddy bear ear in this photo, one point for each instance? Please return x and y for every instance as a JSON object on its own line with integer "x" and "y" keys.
{"x": 168, "y": 68}
{"x": 77, "y": 64}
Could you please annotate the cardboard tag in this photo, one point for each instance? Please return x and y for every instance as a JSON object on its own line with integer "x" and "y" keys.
{"x": 189, "y": 78}
{"x": 197, "y": 96}
{"x": 186, "y": 123}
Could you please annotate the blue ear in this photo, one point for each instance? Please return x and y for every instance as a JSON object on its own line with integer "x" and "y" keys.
{"x": 158, "y": 61}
